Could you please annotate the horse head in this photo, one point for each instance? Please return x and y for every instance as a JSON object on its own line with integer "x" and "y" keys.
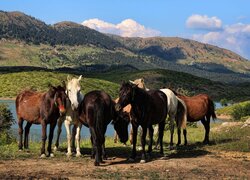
{"x": 59, "y": 97}
{"x": 140, "y": 83}
{"x": 121, "y": 122}
{"x": 126, "y": 95}
{"x": 73, "y": 91}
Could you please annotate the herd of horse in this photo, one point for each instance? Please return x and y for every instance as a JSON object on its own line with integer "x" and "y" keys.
{"x": 136, "y": 105}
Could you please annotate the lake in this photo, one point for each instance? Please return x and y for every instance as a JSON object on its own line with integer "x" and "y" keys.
{"x": 35, "y": 130}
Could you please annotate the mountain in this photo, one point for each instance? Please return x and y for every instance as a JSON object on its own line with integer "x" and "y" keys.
{"x": 189, "y": 52}
{"x": 27, "y": 41}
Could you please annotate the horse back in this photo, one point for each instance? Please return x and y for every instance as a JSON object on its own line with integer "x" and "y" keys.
{"x": 158, "y": 106}
{"x": 28, "y": 104}
{"x": 197, "y": 106}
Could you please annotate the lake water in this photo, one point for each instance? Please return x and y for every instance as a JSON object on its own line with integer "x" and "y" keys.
{"x": 35, "y": 130}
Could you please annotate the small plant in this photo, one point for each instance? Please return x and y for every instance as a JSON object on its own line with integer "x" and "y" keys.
{"x": 240, "y": 111}
{"x": 6, "y": 120}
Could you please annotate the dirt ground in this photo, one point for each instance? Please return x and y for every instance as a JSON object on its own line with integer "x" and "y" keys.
{"x": 201, "y": 164}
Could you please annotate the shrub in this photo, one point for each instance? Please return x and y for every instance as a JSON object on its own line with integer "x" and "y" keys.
{"x": 240, "y": 111}
{"x": 6, "y": 120}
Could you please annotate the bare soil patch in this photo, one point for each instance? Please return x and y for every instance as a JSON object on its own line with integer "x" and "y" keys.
{"x": 200, "y": 164}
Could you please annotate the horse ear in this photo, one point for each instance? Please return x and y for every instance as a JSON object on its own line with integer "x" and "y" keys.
{"x": 132, "y": 82}
{"x": 68, "y": 78}
{"x": 142, "y": 80}
{"x": 80, "y": 77}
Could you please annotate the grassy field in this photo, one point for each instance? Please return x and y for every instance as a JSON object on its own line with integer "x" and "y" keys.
{"x": 233, "y": 139}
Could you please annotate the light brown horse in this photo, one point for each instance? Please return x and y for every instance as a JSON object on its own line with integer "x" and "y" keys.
{"x": 40, "y": 108}
{"x": 199, "y": 108}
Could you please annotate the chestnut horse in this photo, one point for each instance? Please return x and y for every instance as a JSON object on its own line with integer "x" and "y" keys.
{"x": 148, "y": 108}
{"x": 40, "y": 108}
{"x": 96, "y": 111}
{"x": 199, "y": 107}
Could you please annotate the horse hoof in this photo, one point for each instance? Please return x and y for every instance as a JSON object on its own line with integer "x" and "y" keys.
{"x": 97, "y": 164}
{"x": 139, "y": 148}
{"x": 143, "y": 161}
{"x": 43, "y": 156}
{"x": 52, "y": 155}
{"x": 69, "y": 154}
{"x": 78, "y": 154}
{"x": 55, "y": 148}
{"x": 20, "y": 150}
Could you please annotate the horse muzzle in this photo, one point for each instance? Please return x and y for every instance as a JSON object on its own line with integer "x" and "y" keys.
{"x": 62, "y": 110}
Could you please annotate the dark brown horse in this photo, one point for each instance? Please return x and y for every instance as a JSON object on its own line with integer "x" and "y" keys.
{"x": 148, "y": 108}
{"x": 199, "y": 108}
{"x": 96, "y": 111}
{"x": 40, "y": 108}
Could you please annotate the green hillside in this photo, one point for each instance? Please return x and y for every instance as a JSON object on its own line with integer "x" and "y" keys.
{"x": 12, "y": 83}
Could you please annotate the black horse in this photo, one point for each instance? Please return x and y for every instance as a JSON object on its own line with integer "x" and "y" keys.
{"x": 148, "y": 108}
{"x": 96, "y": 111}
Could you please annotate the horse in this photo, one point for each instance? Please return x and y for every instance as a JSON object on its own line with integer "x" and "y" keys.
{"x": 96, "y": 111}
{"x": 40, "y": 108}
{"x": 75, "y": 97}
{"x": 199, "y": 108}
{"x": 177, "y": 110}
{"x": 148, "y": 108}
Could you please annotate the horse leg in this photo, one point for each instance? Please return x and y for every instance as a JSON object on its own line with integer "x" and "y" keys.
{"x": 143, "y": 142}
{"x": 78, "y": 138}
{"x": 179, "y": 136}
{"x": 104, "y": 155}
{"x": 160, "y": 137}
{"x": 26, "y": 135}
{"x": 67, "y": 126}
{"x": 171, "y": 131}
{"x": 20, "y": 131}
{"x": 157, "y": 145}
{"x": 44, "y": 137}
{"x": 133, "y": 154}
{"x": 51, "y": 134}
{"x": 93, "y": 150}
{"x": 131, "y": 135}
{"x": 59, "y": 130}
{"x": 206, "y": 123}
{"x": 151, "y": 132}
{"x": 73, "y": 138}
{"x": 185, "y": 136}
{"x": 96, "y": 146}
{"x": 115, "y": 137}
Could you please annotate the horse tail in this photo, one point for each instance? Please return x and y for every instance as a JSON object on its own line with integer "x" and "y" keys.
{"x": 99, "y": 121}
{"x": 181, "y": 113}
{"x": 212, "y": 109}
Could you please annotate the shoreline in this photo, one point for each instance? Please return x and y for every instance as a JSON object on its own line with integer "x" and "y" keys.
{"x": 3, "y": 98}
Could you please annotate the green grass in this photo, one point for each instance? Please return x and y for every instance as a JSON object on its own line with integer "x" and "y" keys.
{"x": 231, "y": 110}
{"x": 13, "y": 83}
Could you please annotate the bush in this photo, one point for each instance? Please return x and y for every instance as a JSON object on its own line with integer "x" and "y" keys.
{"x": 240, "y": 111}
{"x": 6, "y": 121}
{"x": 224, "y": 102}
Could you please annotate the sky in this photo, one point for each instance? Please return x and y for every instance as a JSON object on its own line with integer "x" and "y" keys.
{"x": 224, "y": 23}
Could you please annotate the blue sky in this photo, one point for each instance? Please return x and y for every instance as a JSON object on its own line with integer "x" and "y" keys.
{"x": 225, "y": 23}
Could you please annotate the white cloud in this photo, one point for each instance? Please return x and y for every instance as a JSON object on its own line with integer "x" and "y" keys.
{"x": 235, "y": 37}
{"x": 204, "y": 22}
{"x": 127, "y": 28}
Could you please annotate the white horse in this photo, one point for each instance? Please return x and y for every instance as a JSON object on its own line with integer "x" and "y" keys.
{"x": 75, "y": 97}
{"x": 177, "y": 109}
